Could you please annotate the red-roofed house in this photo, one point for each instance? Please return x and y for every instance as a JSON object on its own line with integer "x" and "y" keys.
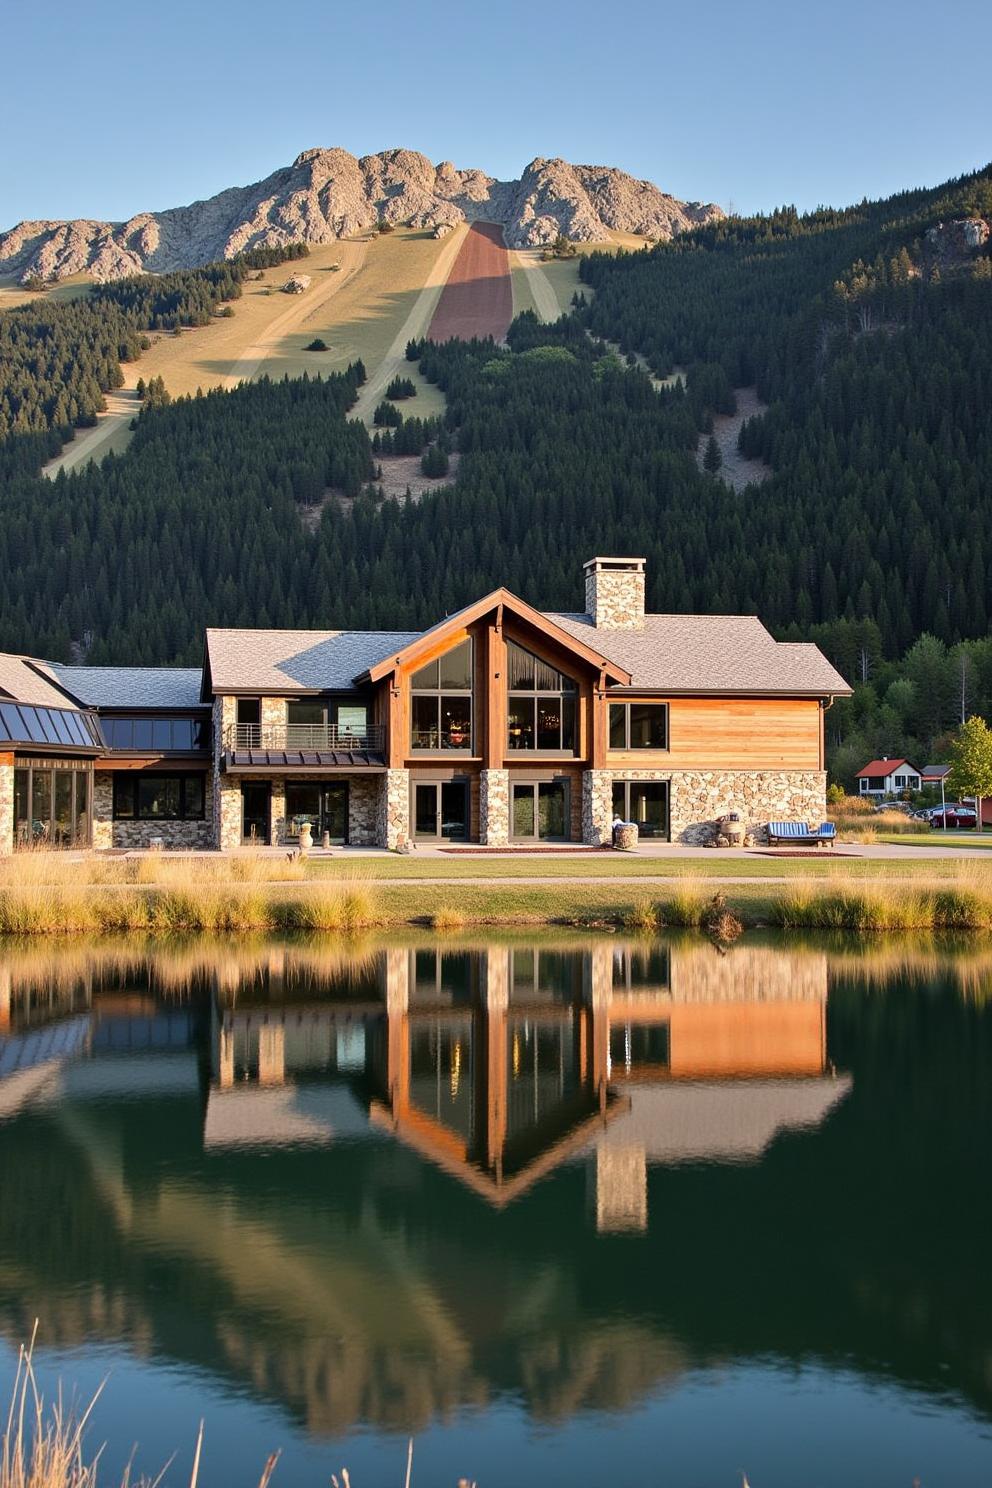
{"x": 888, "y": 777}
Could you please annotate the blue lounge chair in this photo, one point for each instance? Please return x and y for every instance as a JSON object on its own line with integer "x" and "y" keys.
{"x": 800, "y": 832}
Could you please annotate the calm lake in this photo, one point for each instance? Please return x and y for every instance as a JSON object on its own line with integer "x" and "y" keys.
{"x": 569, "y": 1209}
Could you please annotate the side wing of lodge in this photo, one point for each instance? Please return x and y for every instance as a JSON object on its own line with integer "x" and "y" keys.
{"x": 502, "y": 724}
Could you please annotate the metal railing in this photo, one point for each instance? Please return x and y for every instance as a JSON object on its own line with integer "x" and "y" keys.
{"x": 294, "y": 737}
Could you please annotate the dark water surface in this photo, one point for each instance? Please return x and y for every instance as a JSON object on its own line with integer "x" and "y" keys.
{"x": 565, "y": 1210}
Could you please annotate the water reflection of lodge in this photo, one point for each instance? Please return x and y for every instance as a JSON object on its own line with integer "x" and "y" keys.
{"x": 497, "y": 1065}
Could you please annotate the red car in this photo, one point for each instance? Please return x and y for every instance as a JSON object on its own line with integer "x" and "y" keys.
{"x": 954, "y": 816}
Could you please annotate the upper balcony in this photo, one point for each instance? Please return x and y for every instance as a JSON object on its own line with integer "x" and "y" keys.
{"x": 303, "y": 746}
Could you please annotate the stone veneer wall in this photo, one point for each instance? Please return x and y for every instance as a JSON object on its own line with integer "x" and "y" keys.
{"x": 698, "y": 797}
{"x": 6, "y": 806}
{"x": 494, "y": 808}
{"x": 132, "y": 835}
{"x": 393, "y": 809}
{"x": 363, "y": 806}
{"x": 615, "y": 598}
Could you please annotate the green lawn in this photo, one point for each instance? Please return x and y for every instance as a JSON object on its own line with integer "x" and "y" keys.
{"x": 937, "y": 838}
{"x": 619, "y": 869}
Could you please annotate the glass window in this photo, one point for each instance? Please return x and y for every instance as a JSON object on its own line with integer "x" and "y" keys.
{"x": 644, "y": 802}
{"x": 523, "y": 811}
{"x": 158, "y": 796}
{"x": 455, "y": 669}
{"x": 62, "y": 821}
{"x": 521, "y": 723}
{"x": 425, "y": 680}
{"x": 143, "y": 733}
{"x": 311, "y": 713}
{"x": 303, "y": 804}
{"x": 11, "y": 726}
{"x": 249, "y": 710}
{"x": 426, "y": 722}
{"x": 22, "y": 820}
{"x": 541, "y": 706}
{"x": 41, "y": 805}
{"x": 352, "y": 718}
{"x": 638, "y": 725}
{"x": 441, "y": 703}
{"x": 161, "y": 733}
{"x": 82, "y": 815}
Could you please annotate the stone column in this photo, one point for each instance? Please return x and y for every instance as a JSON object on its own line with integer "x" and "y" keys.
{"x": 103, "y": 809}
{"x": 6, "y": 804}
{"x": 494, "y": 808}
{"x": 597, "y": 807}
{"x": 272, "y": 1054}
{"x": 278, "y": 825}
{"x": 393, "y": 809}
{"x": 227, "y": 812}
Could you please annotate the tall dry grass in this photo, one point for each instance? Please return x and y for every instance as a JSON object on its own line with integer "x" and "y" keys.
{"x": 43, "y": 1445}
{"x": 857, "y": 820}
{"x": 960, "y": 901}
{"x": 48, "y": 893}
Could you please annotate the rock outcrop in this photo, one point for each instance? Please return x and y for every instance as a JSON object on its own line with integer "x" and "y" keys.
{"x": 329, "y": 194}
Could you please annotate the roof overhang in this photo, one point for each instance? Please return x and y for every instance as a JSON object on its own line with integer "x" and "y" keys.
{"x": 502, "y": 600}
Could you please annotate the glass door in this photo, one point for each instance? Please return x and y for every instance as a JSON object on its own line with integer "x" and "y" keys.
{"x": 334, "y": 812}
{"x": 441, "y": 810}
{"x": 541, "y": 811}
{"x": 255, "y": 811}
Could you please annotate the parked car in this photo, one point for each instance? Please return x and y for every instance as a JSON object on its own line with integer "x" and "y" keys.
{"x": 956, "y": 816}
{"x": 894, "y": 806}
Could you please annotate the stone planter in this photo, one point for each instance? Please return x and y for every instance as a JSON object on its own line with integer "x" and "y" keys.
{"x": 625, "y": 838}
{"x": 306, "y": 837}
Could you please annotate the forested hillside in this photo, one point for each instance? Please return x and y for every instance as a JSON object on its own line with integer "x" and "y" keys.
{"x": 868, "y": 332}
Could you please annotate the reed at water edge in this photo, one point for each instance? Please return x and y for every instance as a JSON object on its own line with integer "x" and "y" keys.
{"x": 49, "y": 893}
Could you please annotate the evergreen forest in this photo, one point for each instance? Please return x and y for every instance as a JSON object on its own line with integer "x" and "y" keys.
{"x": 867, "y": 332}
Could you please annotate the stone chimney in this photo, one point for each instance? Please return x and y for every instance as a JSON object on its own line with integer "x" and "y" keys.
{"x": 615, "y": 593}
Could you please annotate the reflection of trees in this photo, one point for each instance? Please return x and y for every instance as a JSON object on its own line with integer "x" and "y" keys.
{"x": 358, "y": 1283}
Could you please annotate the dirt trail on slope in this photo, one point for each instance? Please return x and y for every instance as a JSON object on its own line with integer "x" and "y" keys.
{"x": 111, "y": 431}
{"x": 737, "y": 470}
{"x": 477, "y": 300}
{"x": 414, "y": 328}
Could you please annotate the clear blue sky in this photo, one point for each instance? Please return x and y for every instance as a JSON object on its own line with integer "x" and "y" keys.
{"x": 108, "y": 109}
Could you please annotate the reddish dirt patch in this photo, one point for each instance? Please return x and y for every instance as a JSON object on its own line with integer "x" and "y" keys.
{"x": 477, "y": 300}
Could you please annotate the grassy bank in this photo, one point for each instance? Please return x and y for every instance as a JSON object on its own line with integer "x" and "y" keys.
{"x": 50, "y": 894}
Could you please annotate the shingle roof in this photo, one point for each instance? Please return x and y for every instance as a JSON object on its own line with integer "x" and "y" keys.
{"x": 26, "y": 683}
{"x": 131, "y": 687}
{"x": 286, "y": 661}
{"x": 936, "y": 772}
{"x": 710, "y": 653}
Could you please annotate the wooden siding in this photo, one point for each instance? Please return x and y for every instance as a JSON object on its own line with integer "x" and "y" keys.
{"x": 732, "y": 734}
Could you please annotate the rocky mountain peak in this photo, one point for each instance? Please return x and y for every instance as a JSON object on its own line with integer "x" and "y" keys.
{"x": 329, "y": 193}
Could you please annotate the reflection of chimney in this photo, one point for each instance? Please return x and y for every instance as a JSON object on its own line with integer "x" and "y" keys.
{"x": 271, "y": 1054}
{"x": 615, "y": 593}
{"x": 621, "y": 1188}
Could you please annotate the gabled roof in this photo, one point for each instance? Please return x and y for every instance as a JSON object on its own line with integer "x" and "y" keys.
{"x": 131, "y": 687}
{"x": 33, "y": 682}
{"x": 935, "y": 772}
{"x": 582, "y": 646}
{"x": 294, "y": 661}
{"x": 885, "y": 767}
{"x": 712, "y": 654}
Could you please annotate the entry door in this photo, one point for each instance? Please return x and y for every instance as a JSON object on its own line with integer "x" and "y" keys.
{"x": 334, "y": 811}
{"x": 541, "y": 811}
{"x": 255, "y": 800}
{"x": 440, "y": 810}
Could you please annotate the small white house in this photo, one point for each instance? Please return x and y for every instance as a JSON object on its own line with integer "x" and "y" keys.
{"x": 888, "y": 777}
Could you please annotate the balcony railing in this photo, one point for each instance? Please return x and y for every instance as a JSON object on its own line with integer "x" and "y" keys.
{"x": 294, "y": 738}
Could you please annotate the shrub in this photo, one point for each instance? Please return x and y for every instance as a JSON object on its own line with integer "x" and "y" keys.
{"x": 446, "y": 918}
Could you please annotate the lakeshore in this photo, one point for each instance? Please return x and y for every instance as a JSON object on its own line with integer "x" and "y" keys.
{"x": 875, "y": 888}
